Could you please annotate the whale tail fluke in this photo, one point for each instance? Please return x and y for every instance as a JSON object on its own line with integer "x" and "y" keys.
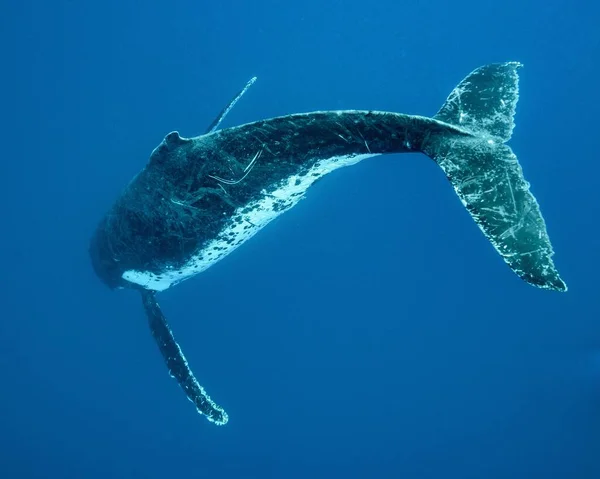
{"x": 486, "y": 174}
{"x": 485, "y": 101}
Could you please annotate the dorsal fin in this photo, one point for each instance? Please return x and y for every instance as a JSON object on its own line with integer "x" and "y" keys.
{"x": 217, "y": 121}
{"x": 176, "y": 362}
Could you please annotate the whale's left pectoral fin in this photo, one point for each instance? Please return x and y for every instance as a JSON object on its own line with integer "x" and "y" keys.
{"x": 176, "y": 362}
{"x": 221, "y": 116}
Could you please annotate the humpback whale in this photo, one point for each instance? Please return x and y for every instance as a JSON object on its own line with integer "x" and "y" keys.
{"x": 198, "y": 199}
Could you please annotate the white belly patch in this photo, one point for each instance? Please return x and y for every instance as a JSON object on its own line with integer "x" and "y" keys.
{"x": 243, "y": 224}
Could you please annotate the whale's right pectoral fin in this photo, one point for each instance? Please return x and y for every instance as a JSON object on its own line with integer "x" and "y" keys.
{"x": 176, "y": 362}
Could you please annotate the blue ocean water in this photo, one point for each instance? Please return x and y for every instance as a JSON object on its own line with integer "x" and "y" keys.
{"x": 372, "y": 331}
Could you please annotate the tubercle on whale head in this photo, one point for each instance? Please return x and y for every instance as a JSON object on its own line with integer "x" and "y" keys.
{"x": 167, "y": 147}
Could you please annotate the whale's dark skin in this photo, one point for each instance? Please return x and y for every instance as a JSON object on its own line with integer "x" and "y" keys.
{"x": 183, "y": 170}
{"x": 199, "y": 198}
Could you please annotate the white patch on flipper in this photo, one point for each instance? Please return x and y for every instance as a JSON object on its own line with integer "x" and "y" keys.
{"x": 243, "y": 225}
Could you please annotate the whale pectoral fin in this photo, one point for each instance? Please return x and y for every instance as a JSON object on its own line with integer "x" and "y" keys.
{"x": 221, "y": 116}
{"x": 176, "y": 362}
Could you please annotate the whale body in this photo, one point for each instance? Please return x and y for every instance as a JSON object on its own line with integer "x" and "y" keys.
{"x": 200, "y": 198}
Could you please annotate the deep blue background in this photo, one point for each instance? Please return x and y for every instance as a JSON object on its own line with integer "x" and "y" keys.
{"x": 370, "y": 332}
